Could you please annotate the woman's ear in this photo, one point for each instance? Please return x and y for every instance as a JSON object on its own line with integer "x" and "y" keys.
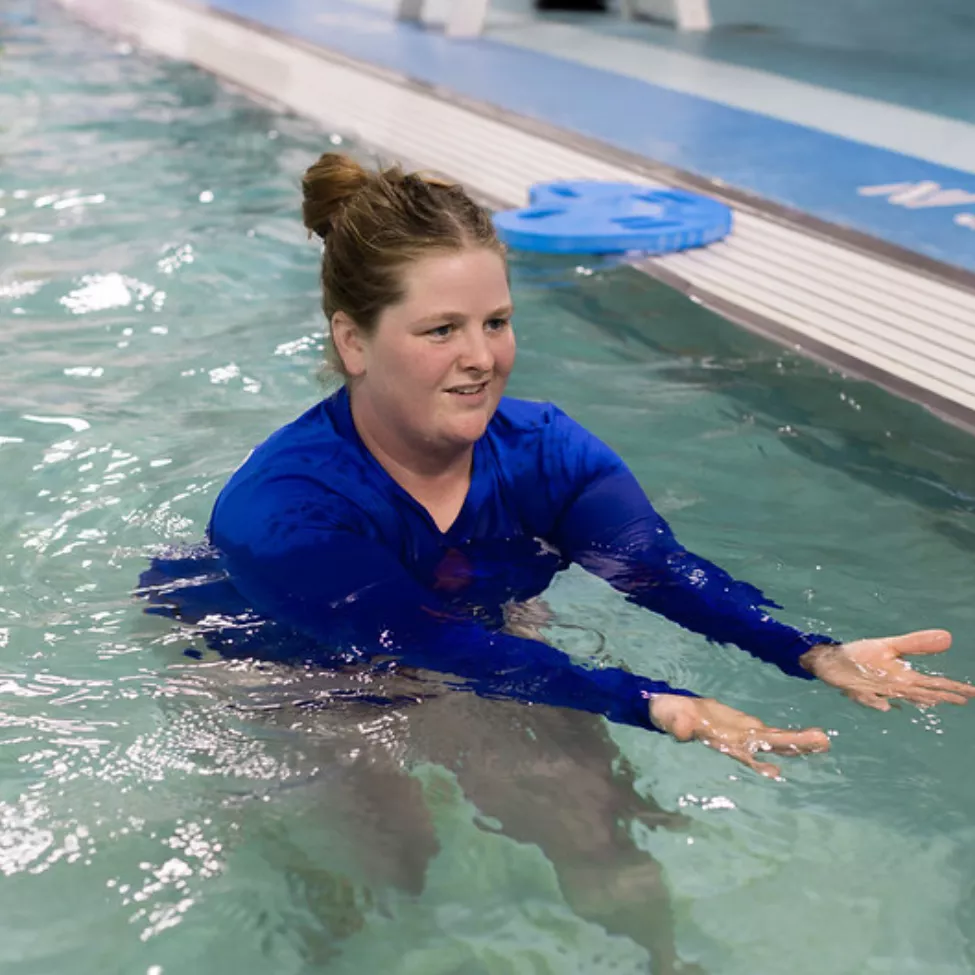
{"x": 349, "y": 343}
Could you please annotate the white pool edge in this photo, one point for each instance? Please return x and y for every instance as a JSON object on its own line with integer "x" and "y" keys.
{"x": 875, "y": 318}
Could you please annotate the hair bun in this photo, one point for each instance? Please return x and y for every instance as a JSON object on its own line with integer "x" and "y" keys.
{"x": 327, "y": 186}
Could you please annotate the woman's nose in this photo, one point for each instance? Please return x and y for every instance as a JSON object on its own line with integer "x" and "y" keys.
{"x": 477, "y": 353}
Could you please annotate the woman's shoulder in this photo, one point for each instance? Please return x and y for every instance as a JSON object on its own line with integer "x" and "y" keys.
{"x": 302, "y": 446}
{"x": 561, "y": 446}
{"x": 524, "y": 415}
{"x": 533, "y": 421}
{"x": 307, "y": 462}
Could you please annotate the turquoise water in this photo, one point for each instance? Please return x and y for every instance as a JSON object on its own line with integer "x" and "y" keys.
{"x": 158, "y": 303}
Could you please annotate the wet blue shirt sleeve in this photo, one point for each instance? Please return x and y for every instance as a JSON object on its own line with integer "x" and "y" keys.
{"x": 611, "y": 529}
{"x": 297, "y": 556}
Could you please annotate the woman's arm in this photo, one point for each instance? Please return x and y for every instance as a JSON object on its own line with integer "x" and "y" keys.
{"x": 610, "y": 528}
{"x": 350, "y": 593}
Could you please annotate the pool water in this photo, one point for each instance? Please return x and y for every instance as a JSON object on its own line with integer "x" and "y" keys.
{"x": 159, "y": 307}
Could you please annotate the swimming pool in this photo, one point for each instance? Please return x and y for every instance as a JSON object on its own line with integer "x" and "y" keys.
{"x": 160, "y": 305}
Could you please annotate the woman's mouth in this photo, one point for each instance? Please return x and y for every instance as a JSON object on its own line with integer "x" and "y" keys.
{"x": 469, "y": 389}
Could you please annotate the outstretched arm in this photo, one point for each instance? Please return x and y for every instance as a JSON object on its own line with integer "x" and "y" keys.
{"x": 613, "y": 531}
{"x": 611, "y": 528}
{"x": 351, "y": 594}
{"x": 349, "y": 590}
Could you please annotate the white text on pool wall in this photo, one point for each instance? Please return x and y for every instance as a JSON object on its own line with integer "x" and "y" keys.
{"x": 924, "y": 195}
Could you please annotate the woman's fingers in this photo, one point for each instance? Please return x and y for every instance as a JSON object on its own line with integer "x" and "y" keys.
{"x": 785, "y": 741}
{"x": 946, "y": 697}
{"x": 763, "y": 768}
{"x": 920, "y": 695}
{"x": 745, "y": 755}
{"x": 921, "y": 642}
{"x": 955, "y": 687}
{"x": 733, "y": 733}
{"x": 869, "y": 700}
{"x": 873, "y": 690}
{"x": 935, "y": 691}
{"x": 746, "y": 746}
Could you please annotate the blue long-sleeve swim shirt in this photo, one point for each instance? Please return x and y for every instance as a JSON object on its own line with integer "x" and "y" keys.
{"x": 312, "y": 538}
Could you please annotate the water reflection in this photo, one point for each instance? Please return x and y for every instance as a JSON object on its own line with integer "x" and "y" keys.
{"x": 891, "y": 445}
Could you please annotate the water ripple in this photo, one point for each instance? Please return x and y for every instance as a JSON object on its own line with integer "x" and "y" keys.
{"x": 161, "y": 304}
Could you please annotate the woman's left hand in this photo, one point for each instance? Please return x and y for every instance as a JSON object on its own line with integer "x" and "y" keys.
{"x": 872, "y": 672}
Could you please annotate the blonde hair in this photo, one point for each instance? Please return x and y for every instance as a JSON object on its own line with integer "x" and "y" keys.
{"x": 374, "y": 224}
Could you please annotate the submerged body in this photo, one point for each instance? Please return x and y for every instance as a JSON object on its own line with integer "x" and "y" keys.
{"x": 317, "y": 555}
{"x": 321, "y": 556}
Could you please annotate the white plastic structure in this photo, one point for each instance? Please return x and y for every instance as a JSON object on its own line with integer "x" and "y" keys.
{"x": 685, "y": 14}
{"x": 465, "y": 18}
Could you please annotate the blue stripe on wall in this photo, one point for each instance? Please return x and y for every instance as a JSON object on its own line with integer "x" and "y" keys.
{"x": 812, "y": 171}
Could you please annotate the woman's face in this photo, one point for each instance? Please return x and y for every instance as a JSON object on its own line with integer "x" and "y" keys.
{"x": 436, "y": 366}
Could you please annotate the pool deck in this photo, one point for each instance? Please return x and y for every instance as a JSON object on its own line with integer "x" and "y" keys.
{"x": 855, "y": 217}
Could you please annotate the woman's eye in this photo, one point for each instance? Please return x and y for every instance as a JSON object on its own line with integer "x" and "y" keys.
{"x": 441, "y": 331}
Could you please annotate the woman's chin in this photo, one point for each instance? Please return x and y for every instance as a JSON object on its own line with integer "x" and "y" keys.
{"x": 467, "y": 430}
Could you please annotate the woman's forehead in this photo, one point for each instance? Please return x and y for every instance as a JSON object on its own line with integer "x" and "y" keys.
{"x": 464, "y": 277}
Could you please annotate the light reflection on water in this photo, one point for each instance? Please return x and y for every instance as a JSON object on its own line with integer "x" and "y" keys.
{"x": 160, "y": 813}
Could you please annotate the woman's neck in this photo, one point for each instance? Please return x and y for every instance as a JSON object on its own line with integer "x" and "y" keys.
{"x": 439, "y": 480}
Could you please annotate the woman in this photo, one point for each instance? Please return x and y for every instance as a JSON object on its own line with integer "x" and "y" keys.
{"x": 392, "y": 531}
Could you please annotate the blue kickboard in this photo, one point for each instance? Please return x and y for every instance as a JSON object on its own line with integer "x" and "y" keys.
{"x": 588, "y": 217}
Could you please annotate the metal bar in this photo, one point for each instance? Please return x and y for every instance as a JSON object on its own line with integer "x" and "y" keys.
{"x": 409, "y": 10}
{"x": 691, "y": 15}
{"x": 467, "y": 18}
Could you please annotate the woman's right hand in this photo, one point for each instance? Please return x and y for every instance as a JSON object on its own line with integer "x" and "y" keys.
{"x": 732, "y": 732}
